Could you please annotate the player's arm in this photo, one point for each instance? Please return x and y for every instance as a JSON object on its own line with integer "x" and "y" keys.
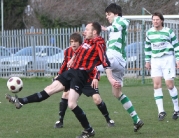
{"x": 148, "y": 52}
{"x": 70, "y": 62}
{"x": 96, "y": 78}
{"x": 106, "y": 65}
{"x": 64, "y": 63}
{"x": 175, "y": 44}
{"x": 63, "y": 66}
{"x": 116, "y": 27}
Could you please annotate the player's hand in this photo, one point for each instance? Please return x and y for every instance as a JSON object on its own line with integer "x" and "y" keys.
{"x": 148, "y": 65}
{"x": 94, "y": 83}
{"x": 177, "y": 64}
{"x": 115, "y": 83}
{"x": 70, "y": 62}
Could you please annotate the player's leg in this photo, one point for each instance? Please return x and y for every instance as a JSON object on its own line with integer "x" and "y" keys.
{"x": 169, "y": 75}
{"x": 62, "y": 109}
{"x": 118, "y": 72}
{"x": 79, "y": 113}
{"x": 55, "y": 87}
{"x": 128, "y": 106}
{"x": 158, "y": 96}
{"x": 174, "y": 96}
{"x": 94, "y": 93}
{"x": 103, "y": 109}
{"x": 157, "y": 74}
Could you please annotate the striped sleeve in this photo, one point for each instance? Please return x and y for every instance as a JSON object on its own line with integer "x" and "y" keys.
{"x": 175, "y": 44}
{"x": 102, "y": 56}
{"x": 64, "y": 64}
{"x": 118, "y": 25}
{"x": 147, "y": 49}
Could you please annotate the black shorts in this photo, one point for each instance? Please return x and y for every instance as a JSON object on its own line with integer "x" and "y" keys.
{"x": 88, "y": 90}
{"x": 74, "y": 79}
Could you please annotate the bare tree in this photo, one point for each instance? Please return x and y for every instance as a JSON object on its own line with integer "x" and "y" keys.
{"x": 75, "y": 12}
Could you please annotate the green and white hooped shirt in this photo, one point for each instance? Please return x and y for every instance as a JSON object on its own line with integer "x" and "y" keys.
{"x": 117, "y": 38}
{"x": 161, "y": 42}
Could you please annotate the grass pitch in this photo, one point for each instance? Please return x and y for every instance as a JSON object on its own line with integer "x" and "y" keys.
{"x": 37, "y": 120}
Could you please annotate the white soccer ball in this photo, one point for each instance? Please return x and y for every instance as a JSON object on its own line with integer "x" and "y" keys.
{"x": 15, "y": 84}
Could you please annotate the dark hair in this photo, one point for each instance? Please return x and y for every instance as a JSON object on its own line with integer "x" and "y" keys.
{"x": 159, "y": 15}
{"x": 76, "y": 37}
{"x": 96, "y": 26}
{"x": 114, "y": 8}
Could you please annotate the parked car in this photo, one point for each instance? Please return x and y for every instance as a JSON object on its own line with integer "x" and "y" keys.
{"x": 13, "y": 50}
{"x": 54, "y": 62}
{"x": 4, "y": 52}
{"x": 29, "y": 59}
{"x": 134, "y": 55}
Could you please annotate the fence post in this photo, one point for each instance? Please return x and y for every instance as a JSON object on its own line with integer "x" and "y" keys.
{"x": 143, "y": 43}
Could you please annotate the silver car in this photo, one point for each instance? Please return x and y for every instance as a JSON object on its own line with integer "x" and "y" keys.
{"x": 29, "y": 60}
{"x": 55, "y": 62}
{"x": 4, "y": 52}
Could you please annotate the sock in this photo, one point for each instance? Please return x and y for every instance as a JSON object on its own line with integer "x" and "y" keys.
{"x": 62, "y": 108}
{"x": 174, "y": 96}
{"x": 158, "y": 95}
{"x": 81, "y": 116}
{"x": 127, "y": 104}
{"x": 102, "y": 107}
{"x": 36, "y": 97}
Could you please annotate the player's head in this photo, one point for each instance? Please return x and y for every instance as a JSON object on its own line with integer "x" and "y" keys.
{"x": 112, "y": 11}
{"x": 157, "y": 20}
{"x": 92, "y": 30}
{"x": 75, "y": 40}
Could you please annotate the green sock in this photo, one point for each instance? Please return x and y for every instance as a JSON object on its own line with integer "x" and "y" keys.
{"x": 127, "y": 104}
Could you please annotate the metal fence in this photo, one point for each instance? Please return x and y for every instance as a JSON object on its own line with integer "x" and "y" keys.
{"x": 47, "y": 60}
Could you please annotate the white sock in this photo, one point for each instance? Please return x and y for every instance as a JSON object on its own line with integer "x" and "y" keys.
{"x": 158, "y": 95}
{"x": 174, "y": 95}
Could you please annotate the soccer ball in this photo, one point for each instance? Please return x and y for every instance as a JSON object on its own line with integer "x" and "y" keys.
{"x": 15, "y": 84}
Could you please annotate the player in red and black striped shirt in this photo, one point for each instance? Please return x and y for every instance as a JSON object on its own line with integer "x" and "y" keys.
{"x": 88, "y": 90}
{"x": 76, "y": 77}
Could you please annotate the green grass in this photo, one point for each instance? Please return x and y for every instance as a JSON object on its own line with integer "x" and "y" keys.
{"x": 37, "y": 120}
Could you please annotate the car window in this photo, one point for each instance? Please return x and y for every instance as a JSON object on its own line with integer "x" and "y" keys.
{"x": 28, "y": 51}
{"x": 4, "y": 52}
{"x": 50, "y": 51}
{"x": 58, "y": 51}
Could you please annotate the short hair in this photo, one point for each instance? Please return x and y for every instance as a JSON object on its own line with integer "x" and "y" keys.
{"x": 114, "y": 8}
{"x": 76, "y": 37}
{"x": 96, "y": 26}
{"x": 159, "y": 15}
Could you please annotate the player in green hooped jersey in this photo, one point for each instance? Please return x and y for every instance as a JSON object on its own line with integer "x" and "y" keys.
{"x": 162, "y": 56}
{"x": 116, "y": 55}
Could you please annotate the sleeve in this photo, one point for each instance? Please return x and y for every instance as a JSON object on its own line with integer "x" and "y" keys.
{"x": 175, "y": 44}
{"x": 64, "y": 64}
{"x": 147, "y": 49}
{"x": 96, "y": 74}
{"x": 102, "y": 55}
{"x": 118, "y": 26}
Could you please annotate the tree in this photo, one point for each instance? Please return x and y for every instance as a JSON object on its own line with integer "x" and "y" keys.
{"x": 13, "y": 10}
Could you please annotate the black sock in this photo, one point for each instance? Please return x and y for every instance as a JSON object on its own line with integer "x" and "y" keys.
{"x": 81, "y": 116}
{"x": 36, "y": 97}
{"x": 62, "y": 108}
{"x": 102, "y": 107}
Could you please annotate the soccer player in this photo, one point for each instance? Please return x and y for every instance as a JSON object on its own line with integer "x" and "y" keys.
{"x": 116, "y": 55}
{"x": 90, "y": 89}
{"x": 161, "y": 55}
{"x": 87, "y": 57}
